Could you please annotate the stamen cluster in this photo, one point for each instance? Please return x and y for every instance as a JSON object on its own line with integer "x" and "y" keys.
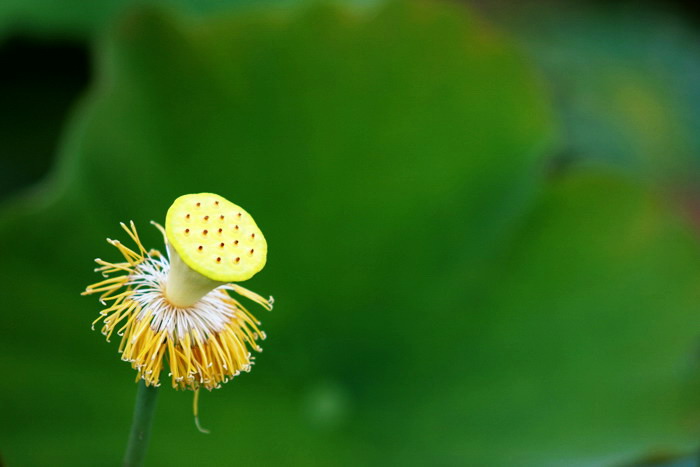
{"x": 205, "y": 344}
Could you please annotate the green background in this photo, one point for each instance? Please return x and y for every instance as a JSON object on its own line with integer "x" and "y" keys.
{"x": 480, "y": 229}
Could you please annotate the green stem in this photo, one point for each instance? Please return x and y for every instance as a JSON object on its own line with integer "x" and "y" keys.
{"x": 141, "y": 425}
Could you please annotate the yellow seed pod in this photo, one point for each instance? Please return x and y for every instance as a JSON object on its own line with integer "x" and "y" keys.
{"x": 215, "y": 237}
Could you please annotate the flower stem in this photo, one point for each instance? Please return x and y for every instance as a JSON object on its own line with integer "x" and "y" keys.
{"x": 141, "y": 425}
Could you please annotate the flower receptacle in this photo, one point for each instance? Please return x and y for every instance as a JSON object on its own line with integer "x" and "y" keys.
{"x": 184, "y": 286}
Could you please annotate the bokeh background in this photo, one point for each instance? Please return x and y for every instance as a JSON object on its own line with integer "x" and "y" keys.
{"x": 482, "y": 219}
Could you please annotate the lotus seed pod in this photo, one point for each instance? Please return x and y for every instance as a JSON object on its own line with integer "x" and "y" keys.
{"x": 215, "y": 237}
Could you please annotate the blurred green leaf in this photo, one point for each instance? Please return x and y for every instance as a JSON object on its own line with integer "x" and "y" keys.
{"x": 88, "y": 19}
{"x": 624, "y": 81}
{"x": 438, "y": 301}
{"x": 81, "y": 19}
{"x": 586, "y": 344}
